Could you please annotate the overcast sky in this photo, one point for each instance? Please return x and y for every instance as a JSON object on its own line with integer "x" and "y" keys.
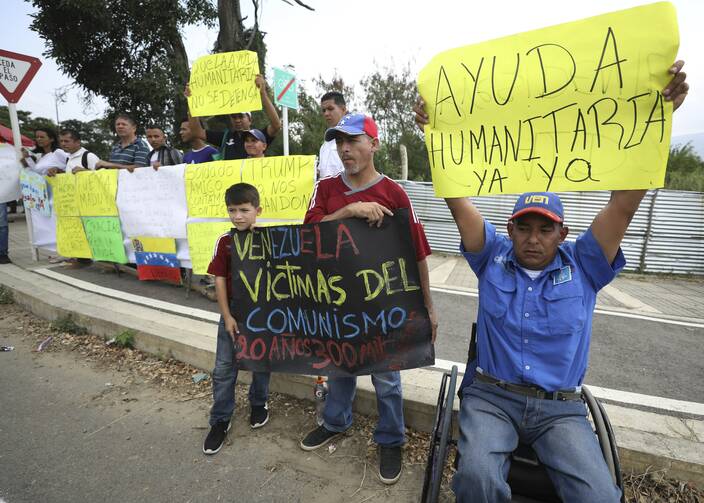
{"x": 350, "y": 39}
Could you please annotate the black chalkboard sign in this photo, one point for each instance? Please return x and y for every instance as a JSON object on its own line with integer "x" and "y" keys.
{"x": 331, "y": 298}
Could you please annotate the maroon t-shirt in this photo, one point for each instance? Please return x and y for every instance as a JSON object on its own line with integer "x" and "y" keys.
{"x": 332, "y": 193}
{"x": 220, "y": 263}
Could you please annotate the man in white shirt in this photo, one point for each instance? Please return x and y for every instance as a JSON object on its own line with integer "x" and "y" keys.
{"x": 334, "y": 108}
{"x": 79, "y": 159}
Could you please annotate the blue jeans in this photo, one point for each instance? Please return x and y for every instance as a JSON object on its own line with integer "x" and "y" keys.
{"x": 493, "y": 420}
{"x": 4, "y": 229}
{"x": 337, "y": 415}
{"x": 225, "y": 377}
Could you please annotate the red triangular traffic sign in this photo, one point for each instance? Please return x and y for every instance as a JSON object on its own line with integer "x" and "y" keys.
{"x": 16, "y": 72}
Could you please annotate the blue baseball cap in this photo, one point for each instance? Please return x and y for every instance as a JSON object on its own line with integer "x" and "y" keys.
{"x": 256, "y": 134}
{"x": 354, "y": 125}
{"x": 547, "y": 204}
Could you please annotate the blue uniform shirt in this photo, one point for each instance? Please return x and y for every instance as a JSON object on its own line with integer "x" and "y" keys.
{"x": 538, "y": 331}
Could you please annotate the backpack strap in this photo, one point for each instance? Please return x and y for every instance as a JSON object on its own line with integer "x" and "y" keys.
{"x": 84, "y": 159}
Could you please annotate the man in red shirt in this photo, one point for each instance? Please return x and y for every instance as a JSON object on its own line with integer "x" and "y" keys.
{"x": 360, "y": 191}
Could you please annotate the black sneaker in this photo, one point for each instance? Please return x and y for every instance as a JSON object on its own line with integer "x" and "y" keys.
{"x": 216, "y": 437}
{"x": 389, "y": 464}
{"x": 259, "y": 416}
{"x": 4, "y": 259}
{"x": 317, "y": 438}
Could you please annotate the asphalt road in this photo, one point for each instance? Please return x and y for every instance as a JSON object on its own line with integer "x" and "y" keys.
{"x": 640, "y": 356}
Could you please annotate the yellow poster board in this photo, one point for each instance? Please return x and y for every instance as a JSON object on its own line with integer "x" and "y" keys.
{"x": 202, "y": 239}
{"x": 158, "y": 245}
{"x": 63, "y": 193}
{"x": 572, "y": 107}
{"x": 71, "y": 240}
{"x": 285, "y": 185}
{"x": 223, "y": 83}
{"x": 96, "y": 191}
{"x": 206, "y": 184}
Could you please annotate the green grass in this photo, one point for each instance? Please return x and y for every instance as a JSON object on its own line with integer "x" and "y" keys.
{"x": 125, "y": 339}
{"x": 67, "y": 325}
{"x": 5, "y": 295}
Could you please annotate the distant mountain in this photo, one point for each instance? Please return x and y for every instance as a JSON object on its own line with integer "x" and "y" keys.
{"x": 696, "y": 139}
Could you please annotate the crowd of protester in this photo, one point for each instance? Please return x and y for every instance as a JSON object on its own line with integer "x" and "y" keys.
{"x": 61, "y": 151}
{"x": 57, "y": 152}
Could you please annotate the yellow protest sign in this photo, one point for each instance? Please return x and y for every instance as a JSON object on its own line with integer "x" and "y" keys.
{"x": 96, "y": 191}
{"x": 158, "y": 245}
{"x": 572, "y": 107}
{"x": 71, "y": 240}
{"x": 206, "y": 184}
{"x": 223, "y": 83}
{"x": 285, "y": 184}
{"x": 63, "y": 190}
{"x": 202, "y": 238}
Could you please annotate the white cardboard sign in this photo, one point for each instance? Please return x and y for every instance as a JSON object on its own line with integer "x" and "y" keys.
{"x": 153, "y": 203}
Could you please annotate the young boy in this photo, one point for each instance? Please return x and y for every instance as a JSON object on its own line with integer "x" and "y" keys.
{"x": 242, "y": 200}
{"x": 254, "y": 143}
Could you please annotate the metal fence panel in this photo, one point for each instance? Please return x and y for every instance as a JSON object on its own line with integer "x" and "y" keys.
{"x": 666, "y": 234}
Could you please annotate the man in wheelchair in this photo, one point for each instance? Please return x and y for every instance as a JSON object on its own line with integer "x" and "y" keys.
{"x": 536, "y": 299}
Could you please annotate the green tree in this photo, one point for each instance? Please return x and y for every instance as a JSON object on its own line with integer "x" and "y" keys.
{"x": 306, "y": 125}
{"x": 96, "y": 135}
{"x": 685, "y": 169}
{"x": 130, "y": 52}
{"x": 389, "y": 97}
{"x": 28, "y": 124}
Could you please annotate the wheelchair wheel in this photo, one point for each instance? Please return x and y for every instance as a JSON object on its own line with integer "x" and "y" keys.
{"x": 614, "y": 450}
{"x": 442, "y": 429}
{"x": 602, "y": 432}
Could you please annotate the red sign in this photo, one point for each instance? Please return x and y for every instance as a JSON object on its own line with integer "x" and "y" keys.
{"x": 16, "y": 72}
{"x": 159, "y": 273}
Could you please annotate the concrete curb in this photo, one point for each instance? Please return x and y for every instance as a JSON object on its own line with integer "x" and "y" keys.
{"x": 675, "y": 447}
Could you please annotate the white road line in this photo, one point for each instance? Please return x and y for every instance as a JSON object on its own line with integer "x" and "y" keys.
{"x": 129, "y": 297}
{"x": 471, "y": 293}
{"x": 623, "y": 397}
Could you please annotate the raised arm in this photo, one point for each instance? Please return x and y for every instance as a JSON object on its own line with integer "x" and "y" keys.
{"x": 610, "y": 225}
{"x": 274, "y": 121}
{"x": 193, "y": 122}
{"x": 469, "y": 221}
